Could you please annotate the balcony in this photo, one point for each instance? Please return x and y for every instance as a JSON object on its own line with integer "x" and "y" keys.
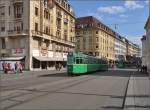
{"x": 65, "y": 31}
{"x": 17, "y": 32}
{"x": 59, "y": 40}
{"x": 37, "y": 33}
{"x": 59, "y": 16}
{"x": 65, "y": 20}
{"x": 18, "y": 16}
{"x": 58, "y": 27}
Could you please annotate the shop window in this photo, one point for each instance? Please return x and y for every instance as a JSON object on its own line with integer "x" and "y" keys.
{"x": 36, "y": 63}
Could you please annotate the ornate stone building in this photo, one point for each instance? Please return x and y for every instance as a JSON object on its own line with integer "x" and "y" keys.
{"x": 37, "y": 33}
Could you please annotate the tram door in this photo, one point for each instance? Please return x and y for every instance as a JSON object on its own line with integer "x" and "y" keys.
{"x": 44, "y": 65}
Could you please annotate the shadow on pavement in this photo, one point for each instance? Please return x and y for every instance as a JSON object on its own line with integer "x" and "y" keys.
{"x": 120, "y": 73}
{"x": 115, "y": 73}
{"x": 54, "y": 75}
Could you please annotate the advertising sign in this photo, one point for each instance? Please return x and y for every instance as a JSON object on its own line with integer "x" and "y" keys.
{"x": 18, "y": 52}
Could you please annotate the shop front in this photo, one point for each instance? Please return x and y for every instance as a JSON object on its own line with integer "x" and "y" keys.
{"x": 48, "y": 60}
{"x": 16, "y": 55}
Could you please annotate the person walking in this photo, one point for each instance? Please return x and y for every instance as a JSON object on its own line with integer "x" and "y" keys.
{"x": 16, "y": 67}
{"x": 6, "y": 68}
{"x": 59, "y": 66}
{"x": 20, "y": 67}
{"x": 3, "y": 66}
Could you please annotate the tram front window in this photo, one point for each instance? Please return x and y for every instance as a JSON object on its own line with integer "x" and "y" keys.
{"x": 79, "y": 61}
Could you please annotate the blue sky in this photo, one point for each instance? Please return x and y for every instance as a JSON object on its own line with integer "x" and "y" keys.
{"x": 125, "y": 17}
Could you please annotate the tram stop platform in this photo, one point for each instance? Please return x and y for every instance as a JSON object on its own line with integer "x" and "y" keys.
{"x": 138, "y": 92}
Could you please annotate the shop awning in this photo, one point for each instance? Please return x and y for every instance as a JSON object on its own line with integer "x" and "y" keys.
{"x": 11, "y": 58}
{"x": 48, "y": 59}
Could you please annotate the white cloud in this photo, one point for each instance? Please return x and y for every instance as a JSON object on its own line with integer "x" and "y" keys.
{"x": 147, "y": 1}
{"x": 123, "y": 16}
{"x": 111, "y": 9}
{"x": 133, "y": 5}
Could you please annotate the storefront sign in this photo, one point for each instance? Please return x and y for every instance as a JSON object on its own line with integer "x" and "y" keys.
{"x": 58, "y": 55}
{"x": 18, "y": 52}
{"x": 44, "y": 52}
{"x": 65, "y": 55}
{"x": 50, "y": 54}
{"x": 36, "y": 53}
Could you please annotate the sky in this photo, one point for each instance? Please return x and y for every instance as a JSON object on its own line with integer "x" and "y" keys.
{"x": 127, "y": 17}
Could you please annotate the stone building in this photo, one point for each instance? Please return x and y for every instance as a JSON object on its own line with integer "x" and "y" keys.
{"x": 146, "y": 46}
{"x": 93, "y": 37}
{"x": 37, "y": 33}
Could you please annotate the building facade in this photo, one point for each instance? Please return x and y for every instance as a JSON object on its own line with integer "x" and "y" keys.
{"x": 93, "y": 37}
{"x": 146, "y": 46}
{"x": 133, "y": 49}
{"x": 37, "y": 33}
{"x": 120, "y": 48}
{"x": 144, "y": 51}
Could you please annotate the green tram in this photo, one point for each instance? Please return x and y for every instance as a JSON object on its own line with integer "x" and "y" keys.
{"x": 79, "y": 63}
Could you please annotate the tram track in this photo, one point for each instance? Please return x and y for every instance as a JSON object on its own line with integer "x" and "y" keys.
{"x": 35, "y": 93}
{"x": 44, "y": 92}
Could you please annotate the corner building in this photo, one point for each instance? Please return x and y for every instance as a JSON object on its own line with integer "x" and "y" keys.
{"x": 37, "y": 33}
{"x": 93, "y": 37}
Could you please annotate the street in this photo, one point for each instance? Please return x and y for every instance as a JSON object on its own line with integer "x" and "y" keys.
{"x": 56, "y": 91}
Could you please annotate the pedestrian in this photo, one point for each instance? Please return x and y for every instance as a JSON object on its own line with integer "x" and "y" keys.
{"x": 3, "y": 66}
{"x": 59, "y": 66}
{"x": 56, "y": 66}
{"x": 16, "y": 67}
{"x": 6, "y": 68}
{"x": 20, "y": 67}
{"x": 138, "y": 67}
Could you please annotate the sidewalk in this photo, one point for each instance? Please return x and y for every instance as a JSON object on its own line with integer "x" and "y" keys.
{"x": 27, "y": 74}
{"x": 138, "y": 93}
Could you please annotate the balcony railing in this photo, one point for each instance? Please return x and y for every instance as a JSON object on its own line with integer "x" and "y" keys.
{"x": 58, "y": 39}
{"x": 59, "y": 15}
{"x": 18, "y": 15}
{"x": 65, "y": 20}
{"x": 37, "y": 33}
{"x": 17, "y": 32}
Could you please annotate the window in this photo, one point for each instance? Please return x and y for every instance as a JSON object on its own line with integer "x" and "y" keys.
{"x": 2, "y": 26}
{"x": 2, "y": 11}
{"x": 96, "y": 32}
{"x": 36, "y": 11}
{"x": 3, "y": 43}
{"x": 97, "y": 46}
{"x": 46, "y": 15}
{"x": 79, "y": 61}
{"x": 36, "y": 26}
{"x": 18, "y": 10}
{"x": 97, "y": 39}
{"x": 18, "y": 26}
{"x": 2, "y": 29}
{"x": 9, "y": 10}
